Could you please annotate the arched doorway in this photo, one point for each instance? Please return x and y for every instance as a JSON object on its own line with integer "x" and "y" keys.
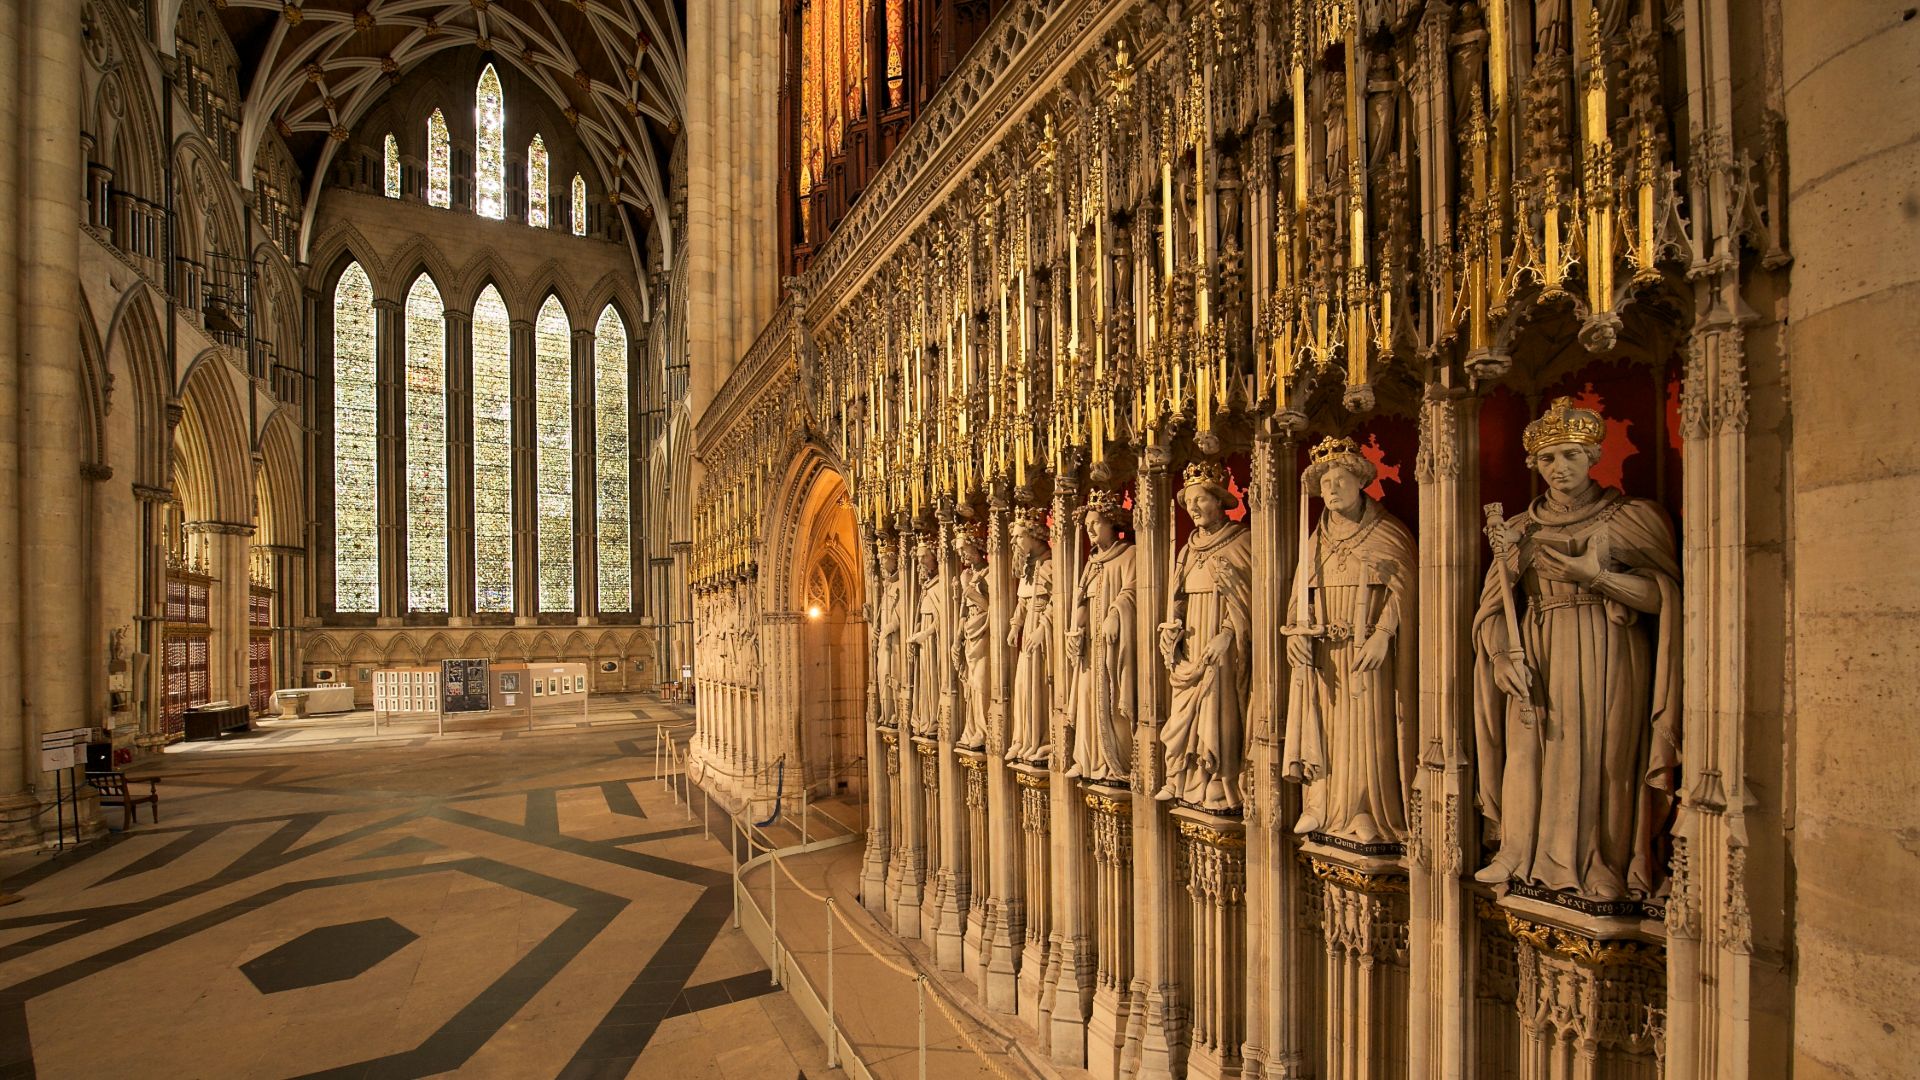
{"x": 830, "y": 596}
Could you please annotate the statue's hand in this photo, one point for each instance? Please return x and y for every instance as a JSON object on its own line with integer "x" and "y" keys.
{"x": 1512, "y": 677}
{"x": 1373, "y": 654}
{"x": 1076, "y": 646}
{"x": 1170, "y": 640}
{"x": 1112, "y": 629}
{"x": 1579, "y": 569}
{"x": 1300, "y": 650}
{"x": 1219, "y": 647}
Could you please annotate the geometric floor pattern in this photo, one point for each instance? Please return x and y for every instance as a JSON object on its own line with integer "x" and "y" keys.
{"x": 535, "y": 906}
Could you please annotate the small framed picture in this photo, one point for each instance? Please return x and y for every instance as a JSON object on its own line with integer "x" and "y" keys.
{"x": 510, "y": 682}
{"x": 553, "y": 686}
{"x": 538, "y": 690}
{"x": 579, "y": 684}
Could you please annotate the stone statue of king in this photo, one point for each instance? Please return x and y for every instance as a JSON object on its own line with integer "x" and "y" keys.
{"x": 1577, "y": 675}
{"x": 1352, "y": 704}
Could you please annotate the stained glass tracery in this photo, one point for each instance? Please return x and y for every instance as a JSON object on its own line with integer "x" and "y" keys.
{"x": 391, "y": 166}
{"x": 553, "y": 454}
{"x": 579, "y": 205}
{"x": 539, "y": 204}
{"x": 614, "y": 527}
{"x": 490, "y": 146}
{"x": 492, "y": 454}
{"x": 426, "y": 442}
{"x": 439, "y": 162}
{"x": 356, "y": 446}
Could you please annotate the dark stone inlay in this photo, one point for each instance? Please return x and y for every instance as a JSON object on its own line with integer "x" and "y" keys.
{"x": 406, "y": 845}
{"x": 620, "y": 800}
{"x": 327, "y": 954}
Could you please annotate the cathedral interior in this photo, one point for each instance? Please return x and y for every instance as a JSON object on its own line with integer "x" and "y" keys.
{"x": 1131, "y": 539}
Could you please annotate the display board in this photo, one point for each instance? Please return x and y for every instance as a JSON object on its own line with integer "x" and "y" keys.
{"x": 464, "y": 685}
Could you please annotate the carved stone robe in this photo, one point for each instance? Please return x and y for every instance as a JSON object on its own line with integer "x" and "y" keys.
{"x": 1581, "y": 794}
{"x": 1350, "y": 735}
{"x": 889, "y": 660}
{"x": 927, "y": 667}
{"x": 1104, "y": 680}
{"x": 1212, "y": 594}
{"x": 1031, "y": 707}
{"x": 972, "y": 627}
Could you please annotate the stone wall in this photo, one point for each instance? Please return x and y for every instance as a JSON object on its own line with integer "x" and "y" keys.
{"x": 1853, "y": 138}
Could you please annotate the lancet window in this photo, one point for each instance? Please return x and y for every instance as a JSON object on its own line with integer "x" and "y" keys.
{"x": 539, "y": 203}
{"x": 492, "y": 454}
{"x": 356, "y": 446}
{"x": 439, "y": 162}
{"x": 553, "y": 454}
{"x": 390, "y": 166}
{"x": 490, "y": 146}
{"x": 426, "y": 442}
{"x": 579, "y": 205}
{"x": 614, "y": 527}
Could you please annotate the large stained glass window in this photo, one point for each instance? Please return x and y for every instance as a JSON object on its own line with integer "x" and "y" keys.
{"x": 391, "y": 164}
{"x": 426, "y": 448}
{"x": 539, "y": 204}
{"x": 553, "y": 453}
{"x": 579, "y": 206}
{"x": 492, "y": 454}
{"x": 356, "y": 446}
{"x": 490, "y": 149}
{"x": 610, "y": 461}
{"x": 439, "y": 162}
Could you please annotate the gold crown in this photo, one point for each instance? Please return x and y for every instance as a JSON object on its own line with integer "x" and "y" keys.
{"x": 1207, "y": 474}
{"x": 966, "y": 534}
{"x": 1107, "y": 504}
{"x": 1564, "y": 423}
{"x": 927, "y": 541}
{"x": 1214, "y": 475}
{"x": 1331, "y": 448}
{"x": 1341, "y": 453}
{"x": 1031, "y": 520}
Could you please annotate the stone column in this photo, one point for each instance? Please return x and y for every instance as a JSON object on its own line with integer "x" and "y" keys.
{"x": 1070, "y": 961}
{"x": 229, "y": 563}
{"x": 955, "y": 873}
{"x": 912, "y": 796}
{"x": 289, "y": 568}
{"x": 461, "y": 578}
{"x": 873, "y": 868}
{"x": 1156, "y": 981}
{"x": 390, "y": 397}
{"x": 40, "y": 398}
{"x": 1212, "y": 852}
{"x": 1278, "y": 1011}
{"x": 1440, "y": 821}
{"x": 526, "y": 552}
{"x": 586, "y": 484}
{"x": 1110, "y": 825}
{"x": 1006, "y": 901}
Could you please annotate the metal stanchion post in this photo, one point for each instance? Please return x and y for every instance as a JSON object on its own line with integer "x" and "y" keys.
{"x": 806, "y": 804}
{"x": 921, "y": 982}
{"x": 773, "y": 879}
{"x": 833, "y": 1019}
{"x": 733, "y": 844}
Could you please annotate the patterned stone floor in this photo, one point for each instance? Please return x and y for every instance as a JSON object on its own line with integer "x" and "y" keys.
{"x": 489, "y": 904}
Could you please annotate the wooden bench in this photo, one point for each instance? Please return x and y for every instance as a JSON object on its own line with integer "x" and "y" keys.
{"x": 113, "y": 790}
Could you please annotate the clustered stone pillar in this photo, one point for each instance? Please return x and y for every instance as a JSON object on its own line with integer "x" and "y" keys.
{"x": 41, "y": 215}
